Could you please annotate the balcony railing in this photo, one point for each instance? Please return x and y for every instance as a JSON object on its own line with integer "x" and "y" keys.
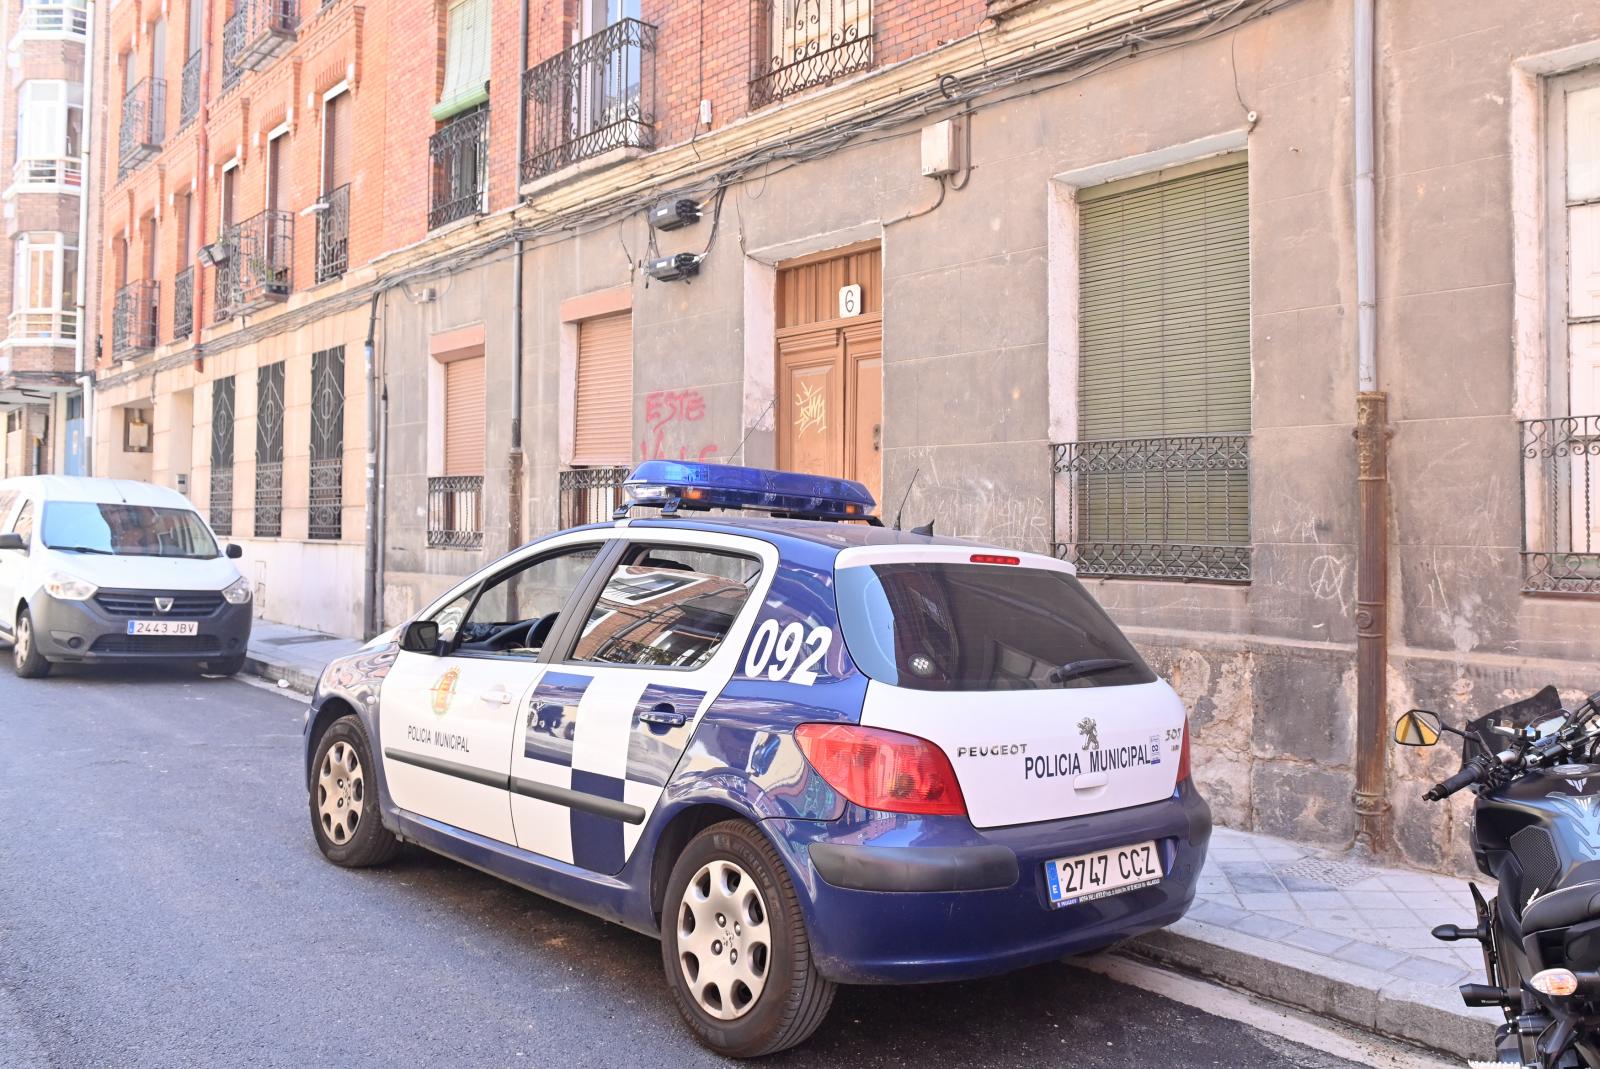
{"x": 144, "y": 124}
{"x": 133, "y": 319}
{"x": 189, "y": 93}
{"x": 460, "y": 157}
{"x": 596, "y": 96}
{"x": 69, "y": 17}
{"x": 590, "y": 495}
{"x": 269, "y": 499}
{"x": 801, "y": 44}
{"x": 333, "y": 234}
{"x": 43, "y": 325}
{"x": 455, "y": 511}
{"x": 1561, "y": 505}
{"x": 48, "y": 171}
{"x": 255, "y": 263}
{"x": 183, "y": 304}
{"x": 258, "y": 32}
{"x": 1158, "y": 508}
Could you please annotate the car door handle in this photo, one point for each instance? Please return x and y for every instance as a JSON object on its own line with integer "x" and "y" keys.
{"x": 664, "y": 715}
{"x": 497, "y": 696}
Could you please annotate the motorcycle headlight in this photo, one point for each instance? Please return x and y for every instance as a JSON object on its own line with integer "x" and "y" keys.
{"x": 68, "y": 587}
{"x": 237, "y": 592}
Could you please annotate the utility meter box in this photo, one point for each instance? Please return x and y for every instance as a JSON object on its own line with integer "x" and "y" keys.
{"x": 941, "y": 149}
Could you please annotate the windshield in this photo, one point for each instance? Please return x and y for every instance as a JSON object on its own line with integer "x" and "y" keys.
{"x": 129, "y": 530}
{"x": 981, "y": 627}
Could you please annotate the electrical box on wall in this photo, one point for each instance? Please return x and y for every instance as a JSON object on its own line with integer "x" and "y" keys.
{"x": 941, "y": 149}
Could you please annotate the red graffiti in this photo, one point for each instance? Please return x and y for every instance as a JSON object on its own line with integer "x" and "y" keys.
{"x": 664, "y": 408}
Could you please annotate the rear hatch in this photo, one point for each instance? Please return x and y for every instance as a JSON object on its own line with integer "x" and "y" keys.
{"x": 1008, "y": 664}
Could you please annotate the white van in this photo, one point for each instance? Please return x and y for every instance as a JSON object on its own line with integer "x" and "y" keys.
{"x": 109, "y": 570}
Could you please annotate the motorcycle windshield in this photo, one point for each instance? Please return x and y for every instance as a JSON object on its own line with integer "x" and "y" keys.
{"x": 1541, "y": 706}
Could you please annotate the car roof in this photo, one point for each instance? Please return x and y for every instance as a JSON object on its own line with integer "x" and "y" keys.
{"x": 98, "y": 491}
{"x": 814, "y": 534}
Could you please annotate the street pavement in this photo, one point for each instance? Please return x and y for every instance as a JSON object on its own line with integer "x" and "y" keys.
{"x": 162, "y": 903}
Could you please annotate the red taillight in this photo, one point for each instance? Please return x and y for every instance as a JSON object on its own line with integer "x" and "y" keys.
{"x": 1183, "y": 754}
{"x": 883, "y": 770}
{"x": 994, "y": 558}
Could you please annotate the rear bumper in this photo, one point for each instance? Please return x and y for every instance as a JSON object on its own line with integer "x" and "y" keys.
{"x": 904, "y": 900}
{"x": 82, "y": 631}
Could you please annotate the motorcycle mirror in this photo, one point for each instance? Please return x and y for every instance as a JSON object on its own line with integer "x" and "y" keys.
{"x": 1417, "y": 727}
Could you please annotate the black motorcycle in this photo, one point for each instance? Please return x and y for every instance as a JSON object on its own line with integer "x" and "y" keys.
{"x": 1536, "y": 831}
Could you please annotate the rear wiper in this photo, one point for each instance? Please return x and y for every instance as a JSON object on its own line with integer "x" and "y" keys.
{"x": 82, "y": 549}
{"x": 1074, "y": 669}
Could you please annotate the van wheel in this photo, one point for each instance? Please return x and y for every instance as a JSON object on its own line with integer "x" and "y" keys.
{"x": 344, "y": 799}
{"x": 25, "y": 655}
{"x": 225, "y": 666}
{"x": 734, "y": 946}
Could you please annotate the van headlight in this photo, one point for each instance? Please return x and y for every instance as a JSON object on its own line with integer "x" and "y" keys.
{"x": 237, "y": 592}
{"x": 68, "y": 587}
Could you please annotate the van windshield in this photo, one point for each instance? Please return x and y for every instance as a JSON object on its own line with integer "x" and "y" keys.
{"x": 933, "y": 626}
{"x": 127, "y": 530}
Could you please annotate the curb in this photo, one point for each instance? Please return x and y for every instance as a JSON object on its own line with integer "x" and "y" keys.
{"x": 1399, "y": 1009}
{"x": 299, "y": 681}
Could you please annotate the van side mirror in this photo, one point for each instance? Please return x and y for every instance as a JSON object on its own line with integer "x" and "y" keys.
{"x": 234, "y": 551}
{"x": 1417, "y": 727}
{"x": 12, "y": 540}
{"x": 421, "y": 636}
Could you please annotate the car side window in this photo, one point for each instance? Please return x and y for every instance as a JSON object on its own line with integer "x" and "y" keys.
{"x": 513, "y": 613}
{"x": 24, "y": 523}
{"x": 667, "y": 607}
{"x": 7, "y": 499}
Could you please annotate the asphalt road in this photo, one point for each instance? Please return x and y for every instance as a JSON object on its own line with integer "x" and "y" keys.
{"x": 162, "y": 903}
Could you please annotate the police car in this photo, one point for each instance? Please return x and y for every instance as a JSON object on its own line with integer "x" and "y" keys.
{"x": 799, "y": 748}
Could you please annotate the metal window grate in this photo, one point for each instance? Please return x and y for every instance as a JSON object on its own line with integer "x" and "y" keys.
{"x": 327, "y": 445}
{"x": 1165, "y": 508}
{"x": 134, "y": 314}
{"x": 183, "y": 304}
{"x": 455, "y": 511}
{"x": 459, "y": 153}
{"x": 591, "y": 98}
{"x": 1561, "y": 505}
{"x": 222, "y": 455}
{"x": 189, "y": 92}
{"x": 801, "y": 44}
{"x": 269, "y": 450}
{"x": 590, "y": 495}
{"x": 144, "y": 124}
{"x": 333, "y": 234}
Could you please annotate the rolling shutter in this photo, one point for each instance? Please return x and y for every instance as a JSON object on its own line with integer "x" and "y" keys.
{"x": 463, "y": 417}
{"x": 336, "y": 142}
{"x": 1165, "y": 308}
{"x": 466, "y": 59}
{"x": 604, "y": 431}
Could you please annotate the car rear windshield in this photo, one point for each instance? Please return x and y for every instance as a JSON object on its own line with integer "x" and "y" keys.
{"x": 981, "y": 627}
{"x": 126, "y": 530}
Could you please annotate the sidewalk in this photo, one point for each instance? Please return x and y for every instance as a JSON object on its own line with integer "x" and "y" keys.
{"x": 1312, "y": 929}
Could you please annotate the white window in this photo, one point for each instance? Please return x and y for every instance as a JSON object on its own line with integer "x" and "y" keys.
{"x": 50, "y": 133}
{"x": 55, "y": 18}
{"x": 46, "y": 279}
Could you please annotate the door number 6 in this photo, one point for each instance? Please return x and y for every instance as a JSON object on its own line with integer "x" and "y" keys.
{"x": 778, "y": 653}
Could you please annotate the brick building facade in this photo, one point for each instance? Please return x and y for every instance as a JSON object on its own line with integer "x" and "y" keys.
{"x": 1077, "y": 276}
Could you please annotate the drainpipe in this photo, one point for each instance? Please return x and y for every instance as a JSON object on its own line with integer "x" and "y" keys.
{"x": 514, "y": 458}
{"x": 80, "y": 293}
{"x": 202, "y": 184}
{"x": 1372, "y": 456}
{"x": 372, "y": 618}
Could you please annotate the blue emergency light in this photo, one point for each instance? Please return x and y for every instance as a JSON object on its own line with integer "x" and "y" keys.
{"x": 671, "y": 485}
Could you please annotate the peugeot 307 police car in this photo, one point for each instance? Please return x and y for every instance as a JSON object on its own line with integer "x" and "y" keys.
{"x": 801, "y": 751}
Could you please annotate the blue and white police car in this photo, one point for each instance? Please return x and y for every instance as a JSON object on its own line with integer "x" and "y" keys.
{"x": 799, "y": 748}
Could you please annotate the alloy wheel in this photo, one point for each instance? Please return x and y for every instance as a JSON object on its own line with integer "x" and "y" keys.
{"x": 341, "y": 789}
{"x": 724, "y": 942}
{"x": 21, "y": 648}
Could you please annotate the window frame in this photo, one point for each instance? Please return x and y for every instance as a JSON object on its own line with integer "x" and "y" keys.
{"x": 22, "y": 272}
{"x": 487, "y": 578}
{"x": 1556, "y": 221}
{"x": 53, "y": 115}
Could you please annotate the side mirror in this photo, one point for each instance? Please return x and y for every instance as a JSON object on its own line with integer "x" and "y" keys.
{"x": 234, "y": 551}
{"x": 1417, "y": 727}
{"x": 12, "y": 540}
{"x": 420, "y": 636}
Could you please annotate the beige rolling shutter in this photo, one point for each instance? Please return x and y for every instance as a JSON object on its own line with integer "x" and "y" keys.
{"x": 463, "y": 417}
{"x": 604, "y": 432}
{"x": 466, "y": 59}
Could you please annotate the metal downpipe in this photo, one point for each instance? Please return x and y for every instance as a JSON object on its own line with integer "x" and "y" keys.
{"x": 514, "y": 457}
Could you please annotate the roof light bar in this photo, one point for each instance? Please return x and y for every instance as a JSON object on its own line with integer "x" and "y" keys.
{"x": 671, "y": 485}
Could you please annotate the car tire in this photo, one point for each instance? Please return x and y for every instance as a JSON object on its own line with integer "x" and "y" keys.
{"x": 730, "y": 876}
{"x": 225, "y": 666}
{"x": 25, "y": 655}
{"x": 344, "y": 799}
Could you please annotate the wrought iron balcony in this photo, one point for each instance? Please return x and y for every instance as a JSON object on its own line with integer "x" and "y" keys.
{"x": 1158, "y": 508}
{"x": 1561, "y": 505}
{"x": 333, "y": 234}
{"x": 590, "y": 495}
{"x": 255, "y": 264}
{"x": 258, "y": 32}
{"x": 455, "y": 511}
{"x": 183, "y": 304}
{"x": 801, "y": 44}
{"x": 56, "y": 17}
{"x": 189, "y": 94}
{"x": 134, "y": 315}
{"x": 144, "y": 124}
{"x": 596, "y": 96}
{"x": 460, "y": 157}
